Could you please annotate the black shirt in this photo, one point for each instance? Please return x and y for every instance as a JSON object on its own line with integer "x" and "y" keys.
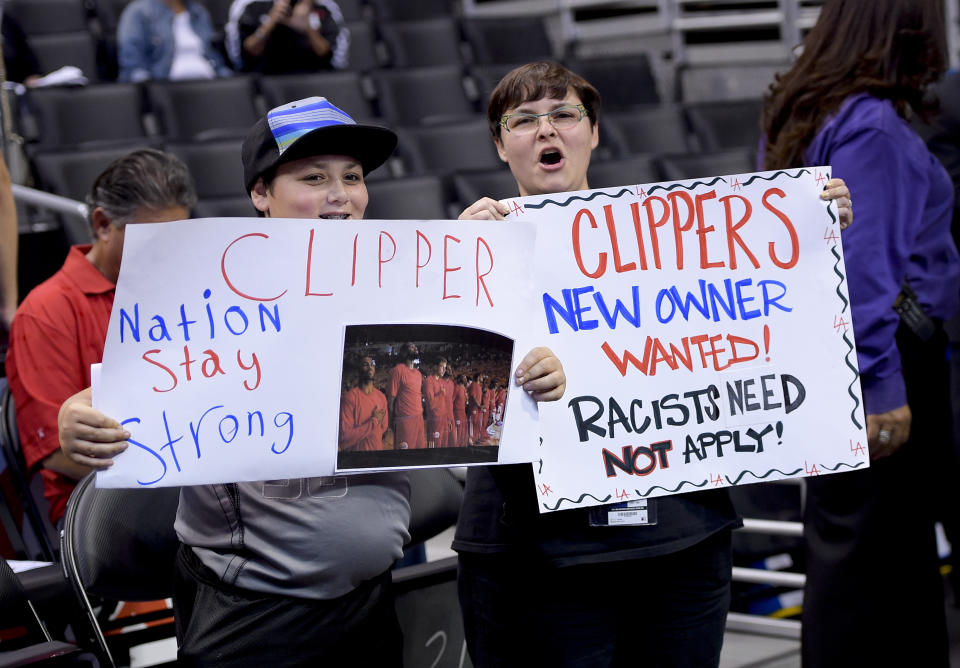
{"x": 18, "y": 57}
{"x": 288, "y": 51}
{"x": 500, "y": 514}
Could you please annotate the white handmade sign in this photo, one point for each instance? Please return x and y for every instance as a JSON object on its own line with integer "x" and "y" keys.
{"x": 705, "y": 331}
{"x": 225, "y": 347}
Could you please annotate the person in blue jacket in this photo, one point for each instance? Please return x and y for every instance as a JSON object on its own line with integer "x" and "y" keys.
{"x": 167, "y": 39}
{"x": 873, "y": 594}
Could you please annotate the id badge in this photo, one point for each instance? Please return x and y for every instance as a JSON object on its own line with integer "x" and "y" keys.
{"x": 641, "y": 512}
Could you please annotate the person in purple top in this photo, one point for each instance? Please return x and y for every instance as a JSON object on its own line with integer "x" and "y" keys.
{"x": 873, "y": 594}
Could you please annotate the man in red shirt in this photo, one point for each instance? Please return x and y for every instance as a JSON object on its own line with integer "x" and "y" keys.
{"x": 475, "y": 409}
{"x": 434, "y": 400}
{"x": 406, "y": 401}
{"x": 461, "y": 432}
{"x": 448, "y": 389}
{"x": 363, "y": 413}
{"x": 501, "y": 401}
{"x": 60, "y": 328}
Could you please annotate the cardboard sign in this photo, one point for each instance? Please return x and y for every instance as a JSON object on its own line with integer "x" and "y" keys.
{"x": 225, "y": 351}
{"x": 705, "y": 331}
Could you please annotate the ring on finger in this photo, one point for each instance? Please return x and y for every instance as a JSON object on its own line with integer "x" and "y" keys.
{"x": 884, "y": 436}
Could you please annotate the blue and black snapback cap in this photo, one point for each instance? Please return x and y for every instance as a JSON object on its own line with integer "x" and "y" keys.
{"x": 312, "y": 126}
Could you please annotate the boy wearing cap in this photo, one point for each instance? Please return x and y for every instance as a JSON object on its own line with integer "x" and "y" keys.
{"x": 291, "y": 572}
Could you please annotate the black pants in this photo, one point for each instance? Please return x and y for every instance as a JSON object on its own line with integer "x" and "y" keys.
{"x": 874, "y": 596}
{"x": 660, "y": 612}
{"x": 220, "y": 625}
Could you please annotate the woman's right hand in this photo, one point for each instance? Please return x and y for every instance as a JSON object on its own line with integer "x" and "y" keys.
{"x": 485, "y": 208}
{"x": 87, "y": 436}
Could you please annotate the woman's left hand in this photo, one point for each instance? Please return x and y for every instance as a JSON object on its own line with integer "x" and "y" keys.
{"x": 837, "y": 190}
{"x": 541, "y": 374}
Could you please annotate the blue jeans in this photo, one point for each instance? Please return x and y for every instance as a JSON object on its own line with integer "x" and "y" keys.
{"x": 657, "y": 612}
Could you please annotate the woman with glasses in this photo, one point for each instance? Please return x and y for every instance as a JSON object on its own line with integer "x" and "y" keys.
{"x": 552, "y": 589}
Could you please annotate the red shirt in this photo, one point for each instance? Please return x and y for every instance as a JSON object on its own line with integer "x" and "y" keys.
{"x": 405, "y": 384}
{"x": 57, "y": 333}
{"x": 359, "y": 429}
{"x": 448, "y": 392}
{"x": 475, "y": 393}
{"x": 460, "y": 401}
{"x": 434, "y": 392}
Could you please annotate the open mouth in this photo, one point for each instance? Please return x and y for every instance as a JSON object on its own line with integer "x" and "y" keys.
{"x": 334, "y": 216}
{"x": 550, "y": 157}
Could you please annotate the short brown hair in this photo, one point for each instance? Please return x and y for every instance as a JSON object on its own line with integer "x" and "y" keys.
{"x": 537, "y": 80}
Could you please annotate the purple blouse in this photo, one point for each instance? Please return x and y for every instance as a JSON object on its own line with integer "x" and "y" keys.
{"x": 903, "y": 202}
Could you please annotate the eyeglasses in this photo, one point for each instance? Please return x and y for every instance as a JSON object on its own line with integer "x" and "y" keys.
{"x": 561, "y": 118}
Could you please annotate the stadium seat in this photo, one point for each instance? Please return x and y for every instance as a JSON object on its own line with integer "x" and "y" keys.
{"x": 422, "y": 95}
{"x": 119, "y": 544}
{"x": 344, "y": 89}
{"x": 352, "y": 10}
{"x": 486, "y": 77}
{"x": 219, "y": 12}
{"x": 363, "y": 47}
{"x": 624, "y": 172}
{"x": 624, "y": 82}
{"x": 34, "y": 507}
{"x": 409, "y": 10}
{"x": 89, "y": 115}
{"x": 413, "y": 198}
{"x": 108, "y": 12}
{"x": 71, "y": 173}
{"x": 41, "y": 17}
{"x": 200, "y": 110}
{"x": 435, "y": 497}
{"x": 653, "y": 129}
{"x": 215, "y": 166}
{"x": 513, "y": 40}
{"x": 225, "y": 207}
{"x": 422, "y": 43}
{"x": 35, "y": 646}
{"x": 690, "y": 166}
{"x": 465, "y": 145}
{"x": 55, "y": 50}
{"x": 714, "y": 83}
{"x": 722, "y": 125}
{"x": 494, "y": 183}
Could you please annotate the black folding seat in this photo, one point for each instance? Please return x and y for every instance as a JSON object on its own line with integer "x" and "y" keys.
{"x": 409, "y": 10}
{"x": 71, "y": 173}
{"x": 224, "y": 207}
{"x": 215, "y": 166}
{"x": 422, "y": 43}
{"x": 726, "y": 124}
{"x": 344, "y": 89}
{"x": 41, "y": 17}
{"x": 623, "y": 172}
{"x": 652, "y": 129}
{"x": 108, "y": 13}
{"x": 413, "y": 198}
{"x": 464, "y": 145}
{"x": 516, "y": 40}
{"x": 696, "y": 165}
{"x": 363, "y": 55}
{"x": 86, "y": 116}
{"x": 729, "y": 81}
{"x": 54, "y": 50}
{"x": 469, "y": 186}
{"x": 623, "y": 82}
{"x": 200, "y": 110}
{"x": 422, "y": 94}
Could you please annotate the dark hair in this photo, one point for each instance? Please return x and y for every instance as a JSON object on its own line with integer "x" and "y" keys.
{"x": 144, "y": 179}
{"x": 534, "y": 81}
{"x": 892, "y": 49}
